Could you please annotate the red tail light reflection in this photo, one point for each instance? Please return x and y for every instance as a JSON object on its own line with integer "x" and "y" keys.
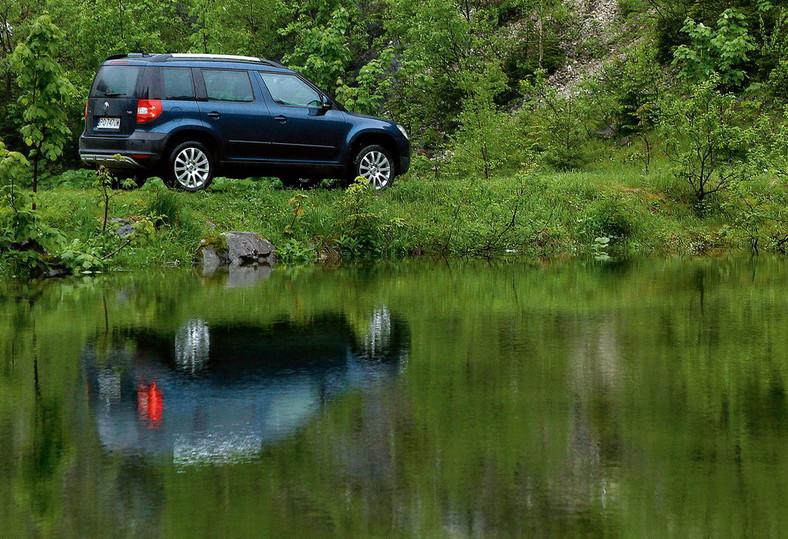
{"x": 150, "y": 404}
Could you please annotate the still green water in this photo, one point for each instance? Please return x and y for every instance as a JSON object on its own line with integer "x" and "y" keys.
{"x": 422, "y": 400}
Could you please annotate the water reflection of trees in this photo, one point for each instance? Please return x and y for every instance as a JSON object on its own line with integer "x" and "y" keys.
{"x": 535, "y": 402}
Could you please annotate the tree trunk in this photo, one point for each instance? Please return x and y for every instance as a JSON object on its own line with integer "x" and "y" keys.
{"x": 35, "y": 177}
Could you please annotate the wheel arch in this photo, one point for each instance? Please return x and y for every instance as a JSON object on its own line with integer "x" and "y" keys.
{"x": 366, "y": 138}
{"x": 198, "y": 135}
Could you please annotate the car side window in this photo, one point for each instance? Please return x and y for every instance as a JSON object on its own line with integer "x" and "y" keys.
{"x": 226, "y": 85}
{"x": 290, "y": 90}
{"x": 177, "y": 83}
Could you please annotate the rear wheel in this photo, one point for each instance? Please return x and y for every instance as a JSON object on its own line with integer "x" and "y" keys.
{"x": 190, "y": 167}
{"x": 375, "y": 164}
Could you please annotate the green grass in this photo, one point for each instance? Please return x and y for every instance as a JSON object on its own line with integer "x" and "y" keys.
{"x": 536, "y": 215}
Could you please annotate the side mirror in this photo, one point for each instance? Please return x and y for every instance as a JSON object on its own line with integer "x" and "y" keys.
{"x": 325, "y": 106}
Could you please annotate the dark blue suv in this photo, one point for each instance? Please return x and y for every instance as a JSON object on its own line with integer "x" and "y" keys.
{"x": 188, "y": 117}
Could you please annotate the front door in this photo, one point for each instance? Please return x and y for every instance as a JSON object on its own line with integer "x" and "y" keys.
{"x": 298, "y": 127}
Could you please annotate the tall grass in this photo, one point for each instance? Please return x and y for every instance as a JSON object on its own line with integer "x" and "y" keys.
{"x": 534, "y": 214}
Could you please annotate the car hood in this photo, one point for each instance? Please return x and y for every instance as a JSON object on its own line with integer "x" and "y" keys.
{"x": 374, "y": 118}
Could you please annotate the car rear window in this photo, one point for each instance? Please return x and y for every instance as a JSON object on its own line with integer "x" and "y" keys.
{"x": 115, "y": 81}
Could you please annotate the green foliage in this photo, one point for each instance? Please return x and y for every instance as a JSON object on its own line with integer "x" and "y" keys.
{"x": 21, "y": 235}
{"x": 294, "y": 252}
{"x": 104, "y": 180}
{"x": 247, "y": 27}
{"x": 632, "y": 86}
{"x": 144, "y": 232}
{"x": 442, "y": 44}
{"x": 360, "y": 226}
{"x": 81, "y": 257}
{"x": 322, "y": 44}
{"x": 609, "y": 216}
{"x": 481, "y": 142}
{"x": 555, "y": 126}
{"x": 81, "y": 178}
{"x": 599, "y": 248}
{"x": 723, "y": 51}
{"x": 13, "y": 165}
{"x": 164, "y": 208}
{"x": 298, "y": 205}
{"x": 707, "y": 138}
{"x": 372, "y": 85}
{"x": 44, "y": 92}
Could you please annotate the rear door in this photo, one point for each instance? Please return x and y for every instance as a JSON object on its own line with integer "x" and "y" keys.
{"x": 175, "y": 88}
{"x": 112, "y": 104}
{"x": 234, "y": 111}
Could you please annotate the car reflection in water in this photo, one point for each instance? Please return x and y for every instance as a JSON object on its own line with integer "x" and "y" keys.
{"x": 212, "y": 393}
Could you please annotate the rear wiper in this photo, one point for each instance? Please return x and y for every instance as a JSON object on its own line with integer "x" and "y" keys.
{"x": 113, "y": 95}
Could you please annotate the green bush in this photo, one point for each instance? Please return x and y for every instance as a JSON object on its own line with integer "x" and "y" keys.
{"x": 708, "y": 138}
{"x": 164, "y": 208}
{"x": 609, "y": 216}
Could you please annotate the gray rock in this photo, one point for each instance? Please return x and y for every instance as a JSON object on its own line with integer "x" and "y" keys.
{"x": 244, "y": 276}
{"x": 125, "y": 227}
{"x": 607, "y": 132}
{"x": 245, "y": 248}
{"x": 210, "y": 260}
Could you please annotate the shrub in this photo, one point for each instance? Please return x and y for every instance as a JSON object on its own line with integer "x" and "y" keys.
{"x": 706, "y": 139}
{"x": 164, "y": 208}
{"x": 608, "y": 216}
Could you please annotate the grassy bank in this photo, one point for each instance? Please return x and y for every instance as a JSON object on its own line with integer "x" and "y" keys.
{"x": 613, "y": 210}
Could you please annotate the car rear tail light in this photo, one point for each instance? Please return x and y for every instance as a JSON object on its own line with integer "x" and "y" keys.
{"x": 86, "y": 109}
{"x": 148, "y": 110}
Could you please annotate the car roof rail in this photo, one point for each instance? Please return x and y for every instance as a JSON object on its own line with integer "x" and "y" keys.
{"x": 196, "y": 56}
{"x": 128, "y": 55}
{"x": 222, "y": 58}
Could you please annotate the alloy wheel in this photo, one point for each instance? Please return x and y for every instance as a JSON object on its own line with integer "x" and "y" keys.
{"x": 192, "y": 168}
{"x": 375, "y": 167}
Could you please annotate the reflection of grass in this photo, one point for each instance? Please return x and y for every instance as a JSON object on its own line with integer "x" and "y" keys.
{"x": 626, "y": 392}
{"x": 542, "y": 214}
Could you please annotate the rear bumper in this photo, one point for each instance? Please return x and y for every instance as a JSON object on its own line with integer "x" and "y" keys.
{"x": 112, "y": 161}
{"x": 139, "y": 151}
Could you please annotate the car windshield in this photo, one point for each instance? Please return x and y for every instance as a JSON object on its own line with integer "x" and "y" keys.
{"x": 115, "y": 81}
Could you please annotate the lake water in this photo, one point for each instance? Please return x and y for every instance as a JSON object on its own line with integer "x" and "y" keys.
{"x": 419, "y": 400}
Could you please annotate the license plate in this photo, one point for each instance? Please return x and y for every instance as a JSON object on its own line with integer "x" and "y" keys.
{"x": 108, "y": 123}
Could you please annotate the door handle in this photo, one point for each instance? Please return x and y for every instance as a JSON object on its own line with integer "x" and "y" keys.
{"x": 281, "y": 119}
{"x": 213, "y": 114}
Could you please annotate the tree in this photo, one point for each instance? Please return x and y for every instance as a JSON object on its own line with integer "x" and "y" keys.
{"x": 44, "y": 93}
{"x": 480, "y": 142}
{"x": 723, "y": 51}
{"x": 707, "y": 138}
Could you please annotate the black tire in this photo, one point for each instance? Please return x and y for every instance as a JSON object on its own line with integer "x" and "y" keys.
{"x": 375, "y": 164}
{"x": 190, "y": 167}
{"x": 128, "y": 183}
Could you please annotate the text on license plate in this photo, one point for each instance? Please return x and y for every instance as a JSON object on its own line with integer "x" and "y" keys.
{"x": 108, "y": 123}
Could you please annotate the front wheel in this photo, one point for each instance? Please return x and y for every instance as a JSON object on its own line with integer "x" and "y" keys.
{"x": 375, "y": 164}
{"x": 190, "y": 167}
